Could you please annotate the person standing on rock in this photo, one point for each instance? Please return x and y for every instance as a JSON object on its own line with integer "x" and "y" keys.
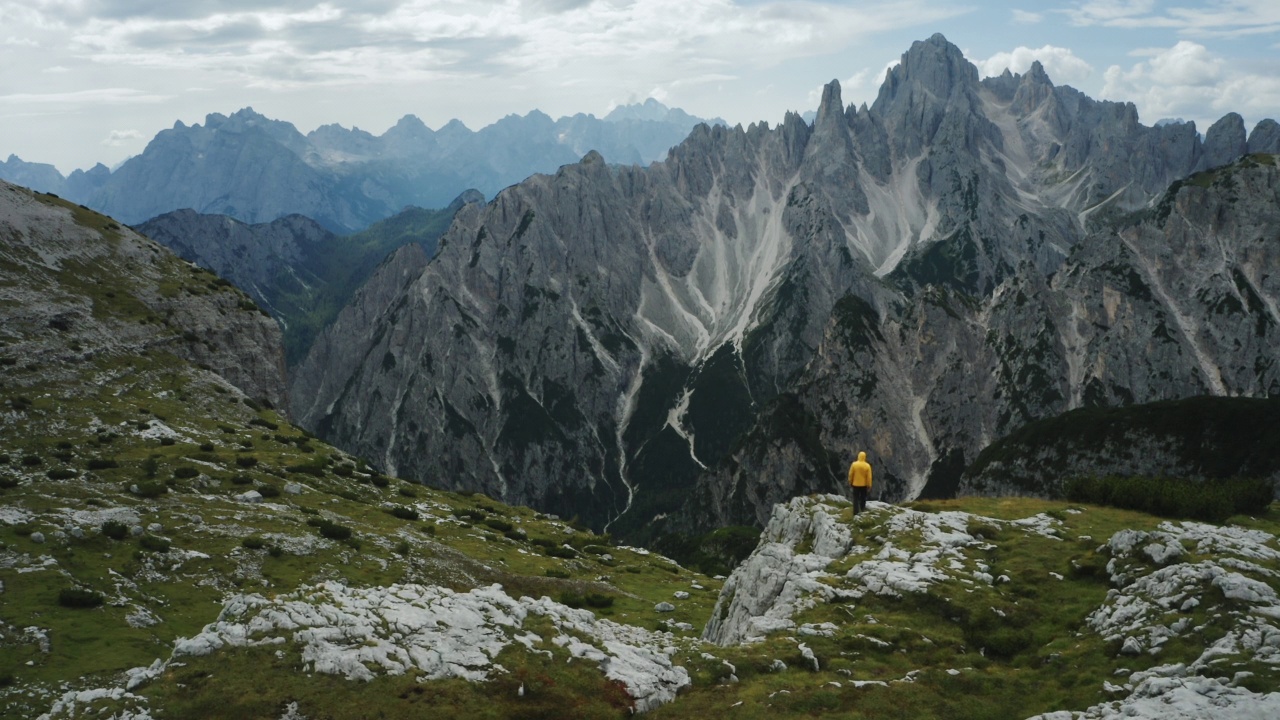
{"x": 860, "y": 481}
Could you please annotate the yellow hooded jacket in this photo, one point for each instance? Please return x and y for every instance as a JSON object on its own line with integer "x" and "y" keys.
{"x": 860, "y": 472}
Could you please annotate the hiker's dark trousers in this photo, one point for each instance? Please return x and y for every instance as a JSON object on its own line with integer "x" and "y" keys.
{"x": 860, "y": 499}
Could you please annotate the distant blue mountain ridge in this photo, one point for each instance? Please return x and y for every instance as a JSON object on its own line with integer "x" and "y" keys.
{"x": 257, "y": 169}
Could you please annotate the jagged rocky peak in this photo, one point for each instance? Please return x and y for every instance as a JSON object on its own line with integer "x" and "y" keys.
{"x": 1224, "y": 142}
{"x": 1265, "y": 137}
{"x": 725, "y": 328}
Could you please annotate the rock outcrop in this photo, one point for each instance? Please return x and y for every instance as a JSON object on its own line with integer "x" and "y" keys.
{"x": 80, "y": 286}
{"x": 293, "y": 267}
{"x": 682, "y": 346}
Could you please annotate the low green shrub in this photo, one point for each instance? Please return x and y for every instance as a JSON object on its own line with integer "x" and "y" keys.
{"x": 408, "y": 491}
{"x": 561, "y": 551}
{"x": 590, "y": 599}
{"x": 102, "y": 464}
{"x": 264, "y": 423}
{"x": 334, "y": 531}
{"x": 268, "y": 491}
{"x": 542, "y": 542}
{"x": 246, "y": 461}
{"x": 253, "y": 542}
{"x": 154, "y": 543}
{"x": 151, "y": 489}
{"x": 78, "y": 598}
{"x": 311, "y": 469}
{"x": 206, "y": 447}
{"x": 344, "y": 470}
{"x": 167, "y": 441}
{"x": 404, "y": 513}
{"x": 185, "y": 472}
{"x": 380, "y": 481}
{"x": 275, "y": 551}
{"x": 241, "y": 480}
{"x": 402, "y": 547}
{"x": 32, "y": 460}
{"x": 517, "y": 535}
{"x": 557, "y": 573}
{"x": 1209, "y": 500}
{"x": 498, "y": 524}
{"x": 8, "y": 483}
{"x": 115, "y": 529}
{"x": 61, "y": 474}
{"x": 429, "y": 529}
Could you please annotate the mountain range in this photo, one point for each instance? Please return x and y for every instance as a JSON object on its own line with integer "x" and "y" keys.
{"x": 257, "y": 170}
{"x": 679, "y": 347}
{"x": 998, "y": 288}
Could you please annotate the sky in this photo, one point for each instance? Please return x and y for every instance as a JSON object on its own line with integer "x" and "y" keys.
{"x": 87, "y": 81}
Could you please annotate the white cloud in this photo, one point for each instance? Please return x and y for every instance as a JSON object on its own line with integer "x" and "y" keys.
{"x": 1061, "y": 64}
{"x": 116, "y": 138}
{"x": 97, "y": 96}
{"x": 1189, "y": 81}
{"x": 284, "y": 43}
{"x": 1023, "y": 17}
{"x": 1215, "y": 18}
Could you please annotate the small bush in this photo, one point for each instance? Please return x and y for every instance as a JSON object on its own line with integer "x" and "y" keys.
{"x": 344, "y": 470}
{"x": 32, "y": 460}
{"x": 264, "y": 423}
{"x": 102, "y": 464}
{"x": 154, "y": 543}
{"x": 8, "y": 483}
{"x": 306, "y": 469}
{"x": 253, "y": 542}
{"x": 268, "y": 491}
{"x": 206, "y": 447}
{"x": 517, "y": 535}
{"x": 252, "y": 405}
{"x": 404, "y": 513}
{"x": 429, "y": 529}
{"x": 561, "y": 551}
{"x": 596, "y": 549}
{"x": 227, "y": 429}
{"x": 4, "y": 459}
{"x": 334, "y": 531}
{"x": 499, "y": 524}
{"x": 77, "y": 598}
{"x": 591, "y": 599}
{"x": 380, "y": 481}
{"x": 408, "y": 491}
{"x": 241, "y": 480}
{"x": 185, "y": 472}
{"x": 472, "y": 515}
{"x": 275, "y": 551}
{"x": 151, "y": 489}
{"x": 61, "y": 474}
{"x": 542, "y": 542}
{"x": 166, "y": 441}
{"x": 115, "y": 529}
{"x": 402, "y": 547}
{"x": 558, "y": 574}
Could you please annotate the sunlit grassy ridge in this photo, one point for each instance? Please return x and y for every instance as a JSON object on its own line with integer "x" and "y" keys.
{"x": 173, "y": 446}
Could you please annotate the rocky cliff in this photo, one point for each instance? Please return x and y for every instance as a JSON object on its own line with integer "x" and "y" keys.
{"x": 702, "y": 338}
{"x": 294, "y": 268}
{"x": 80, "y": 288}
{"x": 257, "y": 170}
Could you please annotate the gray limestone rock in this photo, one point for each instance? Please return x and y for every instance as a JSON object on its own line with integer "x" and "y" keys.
{"x": 1265, "y": 137}
{"x": 664, "y": 607}
{"x": 1224, "y": 142}
{"x": 726, "y": 329}
{"x": 37, "y": 538}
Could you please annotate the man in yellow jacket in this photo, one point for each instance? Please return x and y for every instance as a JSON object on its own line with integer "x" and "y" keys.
{"x": 860, "y": 480}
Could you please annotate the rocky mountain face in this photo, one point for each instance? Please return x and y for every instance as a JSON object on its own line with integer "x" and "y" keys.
{"x": 293, "y": 267}
{"x": 77, "y": 288}
{"x": 681, "y": 346}
{"x": 257, "y": 170}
